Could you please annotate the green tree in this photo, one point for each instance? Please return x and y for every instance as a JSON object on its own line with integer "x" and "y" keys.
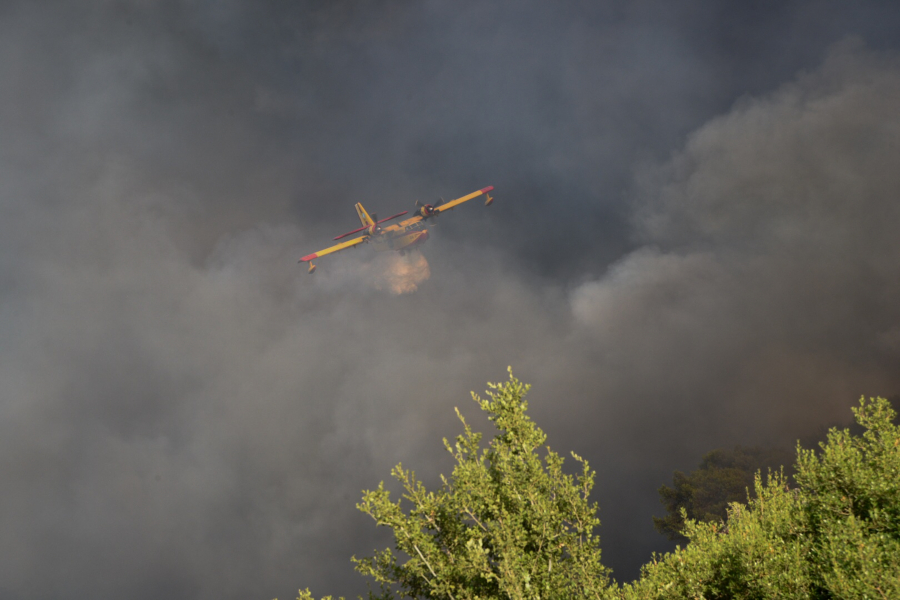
{"x": 723, "y": 477}
{"x": 508, "y": 522}
{"x": 836, "y": 535}
{"x": 850, "y": 510}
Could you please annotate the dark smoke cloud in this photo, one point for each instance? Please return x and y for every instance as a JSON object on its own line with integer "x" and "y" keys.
{"x": 184, "y": 413}
{"x": 769, "y": 249}
{"x": 764, "y": 295}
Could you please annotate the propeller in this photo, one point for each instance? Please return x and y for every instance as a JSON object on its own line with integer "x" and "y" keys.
{"x": 428, "y": 210}
{"x": 424, "y": 210}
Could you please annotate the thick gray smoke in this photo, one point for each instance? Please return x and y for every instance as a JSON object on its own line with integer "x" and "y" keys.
{"x": 764, "y": 296}
{"x": 185, "y": 413}
{"x": 770, "y": 267}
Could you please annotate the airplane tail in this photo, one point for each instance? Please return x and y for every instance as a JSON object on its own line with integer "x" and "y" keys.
{"x": 364, "y": 217}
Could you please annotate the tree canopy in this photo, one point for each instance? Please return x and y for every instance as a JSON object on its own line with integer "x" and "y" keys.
{"x": 723, "y": 477}
{"x": 509, "y": 523}
{"x": 835, "y": 535}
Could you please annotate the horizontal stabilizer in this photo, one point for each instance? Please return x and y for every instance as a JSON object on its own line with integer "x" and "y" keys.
{"x": 393, "y": 217}
{"x": 343, "y": 235}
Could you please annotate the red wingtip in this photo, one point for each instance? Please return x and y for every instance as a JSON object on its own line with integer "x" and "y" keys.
{"x": 487, "y": 189}
{"x": 309, "y": 257}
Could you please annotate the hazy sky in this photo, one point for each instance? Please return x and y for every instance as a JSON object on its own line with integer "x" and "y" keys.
{"x": 693, "y": 245}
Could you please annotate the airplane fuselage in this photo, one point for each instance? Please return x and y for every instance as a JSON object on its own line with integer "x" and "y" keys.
{"x": 398, "y": 241}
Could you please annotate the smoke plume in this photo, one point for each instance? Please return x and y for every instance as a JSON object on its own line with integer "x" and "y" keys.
{"x": 185, "y": 413}
{"x": 764, "y": 294}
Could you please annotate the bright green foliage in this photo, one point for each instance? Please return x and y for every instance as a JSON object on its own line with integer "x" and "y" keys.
{"x": 852, "y": 507}
{"x": 506, "y": 524}
{"x": 835, "y": 536}
{"x": 723, "y": 477}
{"x": 510, "y": 524}
{"x": 759, "y": 555}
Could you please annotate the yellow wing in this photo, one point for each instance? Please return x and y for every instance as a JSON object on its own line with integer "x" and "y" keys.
{"x": 335, "y": 248}
{"x": 458, "y": 201}
{"x": 439, "y": 209}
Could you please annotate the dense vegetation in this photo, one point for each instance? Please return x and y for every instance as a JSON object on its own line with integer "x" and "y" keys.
{"x": 723, "y": 477}
{"x": 509, "y": 523}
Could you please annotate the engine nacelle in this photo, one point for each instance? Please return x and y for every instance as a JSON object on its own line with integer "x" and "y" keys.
{"x": 427, "y": 210}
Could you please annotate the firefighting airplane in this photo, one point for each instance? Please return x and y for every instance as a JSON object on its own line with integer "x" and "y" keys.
{"x": 401, "y": 236}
